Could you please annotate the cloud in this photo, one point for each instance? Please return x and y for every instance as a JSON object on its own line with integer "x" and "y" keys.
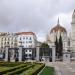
{"x": 38, "y": 16}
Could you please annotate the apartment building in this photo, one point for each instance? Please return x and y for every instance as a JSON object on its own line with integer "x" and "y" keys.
{"x": 8, "y": 39}
{"x": 26, "y": 39}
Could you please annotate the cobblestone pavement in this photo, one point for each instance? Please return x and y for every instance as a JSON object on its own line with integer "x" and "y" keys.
{"x": 62, "y": 68}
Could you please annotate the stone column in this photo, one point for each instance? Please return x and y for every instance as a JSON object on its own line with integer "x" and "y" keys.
{"x": 37, "y": 52}
{"x": 6, "y": 53}
{"x": 12, "y": 59}
{"x": 53, "y": 54}
{"x": 66, "y": 57}
{"x": 20, "y": 53}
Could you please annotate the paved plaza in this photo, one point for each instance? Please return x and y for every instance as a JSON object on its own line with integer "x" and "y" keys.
{"x": 62, "y": 68}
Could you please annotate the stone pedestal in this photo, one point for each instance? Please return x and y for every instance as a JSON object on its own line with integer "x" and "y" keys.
{"x": 66, "y": 57}
{"x": 37, "y": 52}
{"x": 20, "y": 53}
{"x": 12, "y": 58}
{"x": 53, "y": 54}
{"x": 6, "y": 53}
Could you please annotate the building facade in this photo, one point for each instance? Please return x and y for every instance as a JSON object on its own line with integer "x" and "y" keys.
{"x": 68, "y": 41}
{"x": 72, "y": 35}
{"x": 9, "y": 39}
{"x": 26, "y": 39}
{"x": 57, "y": 31}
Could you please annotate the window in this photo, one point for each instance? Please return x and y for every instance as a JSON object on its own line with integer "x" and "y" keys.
{"x": 68, "y": 42}
{"x": 15, "y": 38}
{"x": 1, "y": 51}
{"x": 25, "y": 50}
{"x": 30, "y": 41}
{"x": 26, "y": 42}
{"x": 5, "y": 39}
{"x": 30, "y": 55}
{"x": 23, "y": 41}
{"x": 29, "y": 50}
{"x": 25, "y": 45}
{"x": 26, "y": 37}
{"x": 30, "y": 46}
{"x": 8, "y": 42}
{"x": 15, "y": 44}
{"x": 8, "y": 39}
{"x": 20, "y": 38}
{"x": 25, "y": 55}
{"x": 12, "y": 43}
{"x": 30, "y": 38}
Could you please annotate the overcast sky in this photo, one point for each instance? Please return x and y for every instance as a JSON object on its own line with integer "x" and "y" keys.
{"x": 38, "y": 16}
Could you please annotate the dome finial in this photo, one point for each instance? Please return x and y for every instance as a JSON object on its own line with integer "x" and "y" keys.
{"x": 58, "y": 21}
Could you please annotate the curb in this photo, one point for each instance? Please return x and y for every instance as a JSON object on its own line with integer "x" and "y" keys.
{"x": 41, "y": 71}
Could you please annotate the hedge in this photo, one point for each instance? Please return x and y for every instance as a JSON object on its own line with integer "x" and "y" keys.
{"x": 9, "y": 64}
{"x": 18, "y": 71}
{"x": 13, "y": 68}
{"x": 35, "y": 72}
